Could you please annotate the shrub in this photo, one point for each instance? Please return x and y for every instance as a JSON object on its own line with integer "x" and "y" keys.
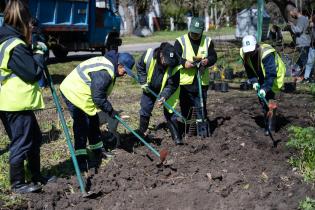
{"x": 303, "y": 139}
{"x": 307, "y": 204}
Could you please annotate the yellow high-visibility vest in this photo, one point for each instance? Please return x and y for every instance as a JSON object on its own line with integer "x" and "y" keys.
{"x": 187, "y": 75}
{"x": 266, "y": 49}
{"x": 76, "y": 87}
{"x": 150, "y": 63}
{"x": 15, "y": 94}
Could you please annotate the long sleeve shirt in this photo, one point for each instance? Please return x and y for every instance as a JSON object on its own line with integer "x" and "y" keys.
{"x": 300, "y": 31}
{"x": 21, "y": 62}
{"x": 155, "y": 84}
{"x": 269, "y": 64}
{"x": 100, "y": 82}
{"x": 212, "y": 59}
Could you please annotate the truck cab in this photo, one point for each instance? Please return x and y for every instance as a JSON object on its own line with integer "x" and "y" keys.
{"x": 78, "y": 25}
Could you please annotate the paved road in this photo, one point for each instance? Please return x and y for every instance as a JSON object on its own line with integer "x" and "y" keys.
{"x": 140, "y": 47}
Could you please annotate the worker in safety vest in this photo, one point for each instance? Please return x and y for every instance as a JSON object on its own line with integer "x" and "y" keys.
{"x": 188, "y": 46}
{"x": 158, "y": 71}
{"x": 265, "y": 70}
{"x": 19, "y": 96}
{"x": 85, "y": 90}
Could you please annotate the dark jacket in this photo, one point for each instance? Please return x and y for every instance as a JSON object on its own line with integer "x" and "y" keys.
{"x": 266, "y": 82}
{"x": 100, "y": 82}
{"x": 155, "y": 85}
{"x": 212, "y": 59}
{"x": 22, "y": 61}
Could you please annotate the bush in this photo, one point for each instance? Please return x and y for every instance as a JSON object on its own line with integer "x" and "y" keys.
{"x": 303, "y": 139}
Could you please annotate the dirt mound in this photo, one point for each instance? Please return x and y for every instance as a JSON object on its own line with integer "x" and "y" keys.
{"x": 236, "y": 168}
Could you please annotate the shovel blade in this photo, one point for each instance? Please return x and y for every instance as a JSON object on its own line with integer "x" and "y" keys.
{"x": 203, "y": 129}
{"x": 163, "y": 154}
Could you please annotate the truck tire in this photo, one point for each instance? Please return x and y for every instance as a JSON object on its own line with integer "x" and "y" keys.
{"x": 60, "y": 52}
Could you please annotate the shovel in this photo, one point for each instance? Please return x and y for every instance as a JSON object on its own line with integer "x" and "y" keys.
{"x": 179, "y": 115}
{"x": 67, "y": 134}
{"x": 271, "y": 107}
{"x": 203, "y": 128}
{"x": 112, "y": 125}
{"x": 162, "y": 155}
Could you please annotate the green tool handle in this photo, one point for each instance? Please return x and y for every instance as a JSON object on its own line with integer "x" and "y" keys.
{"x": 261, "y": 97}
{"x": 138, "y": 136}
{"x": 158, "y": 97}
{"x": 66, "y": 130}
{"x": 200, "y": 94}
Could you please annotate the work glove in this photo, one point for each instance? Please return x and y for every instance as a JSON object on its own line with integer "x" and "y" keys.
{"x": 160, "y": 102}
{"x": 113, "y": 113}
{"x": 42, "y": 46}
{"x": 145, "y": 87}
{"x": 261, "y": 93}
{"x": 256, "y": 86}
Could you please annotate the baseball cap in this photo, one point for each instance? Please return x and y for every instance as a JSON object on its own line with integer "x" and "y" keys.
{"x": 249, "y": 43}
{"x": 169, "y": 53}
{"x": 197, "y": 25}
{"x": 127, "y": 61}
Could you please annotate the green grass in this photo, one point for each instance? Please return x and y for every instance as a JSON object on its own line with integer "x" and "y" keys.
{"x": 302, "y": 139}
{"x": 161, "y": 36}
{"x": 7, "y": 199}
{"x": 307, "y": 204}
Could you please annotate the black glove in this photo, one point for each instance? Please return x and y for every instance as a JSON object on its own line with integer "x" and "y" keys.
{"x": 113, "y": 113}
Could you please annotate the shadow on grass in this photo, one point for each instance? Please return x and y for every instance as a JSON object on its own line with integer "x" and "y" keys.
{"x": 52, "y": 135}
{"x": 62, "y": 170}
{"x": 128, "y": 142}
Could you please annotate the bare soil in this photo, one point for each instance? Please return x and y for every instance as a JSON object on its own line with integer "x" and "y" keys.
{"x": 235, "y": 168}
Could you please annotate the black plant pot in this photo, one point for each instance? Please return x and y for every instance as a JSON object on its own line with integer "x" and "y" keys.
{"x": 212, "y": 75}
{"x": 217, "y": 75}
{"x": 245, "y": 86}
{"x": 217, "y": 86}
{"x": 289, "y": 87}
{"x": 228, "y": 73}
{"x": 224, "y": 87}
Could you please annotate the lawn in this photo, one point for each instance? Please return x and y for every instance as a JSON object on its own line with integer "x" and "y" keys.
{"x": 160, "y": 36}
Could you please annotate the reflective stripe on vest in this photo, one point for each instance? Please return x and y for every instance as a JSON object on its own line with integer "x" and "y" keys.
{"x": 187, "y": 75}
{"x": 150, "y": 63}
{"x": 15, "y": 94}
{"x": 76, "y": 87}
{"x": 87, "y": 79}
{"x": 280, "y": 66}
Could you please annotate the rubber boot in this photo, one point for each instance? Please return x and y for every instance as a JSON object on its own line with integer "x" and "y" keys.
{"x": 177, "y": 138}
{"x": 17, "y": 180}
{"x": 33, "y": 166}
{"x": 144, "y": 124}
{"x": 83, "y": 162}
{"x": 98, "y": 156}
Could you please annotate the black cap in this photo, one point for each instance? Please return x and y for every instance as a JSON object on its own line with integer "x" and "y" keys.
{"x": 169, "y": 53}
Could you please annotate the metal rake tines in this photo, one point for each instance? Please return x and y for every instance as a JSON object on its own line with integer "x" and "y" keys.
{"x": 192, "y": 127}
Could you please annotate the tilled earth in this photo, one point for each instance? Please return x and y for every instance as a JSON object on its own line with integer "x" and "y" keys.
{"x": 235, "y": 168}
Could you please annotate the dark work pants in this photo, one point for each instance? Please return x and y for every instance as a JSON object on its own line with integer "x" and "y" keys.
{"x": 25, "y": 135}
{"x": 302, "y": 60}
{"x": 147, "y": 105}
{"x": 84, "y": 127}
{"x": 188, "y": 99}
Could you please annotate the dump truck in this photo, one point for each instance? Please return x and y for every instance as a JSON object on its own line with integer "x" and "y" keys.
{"x": 78, "y": 25}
